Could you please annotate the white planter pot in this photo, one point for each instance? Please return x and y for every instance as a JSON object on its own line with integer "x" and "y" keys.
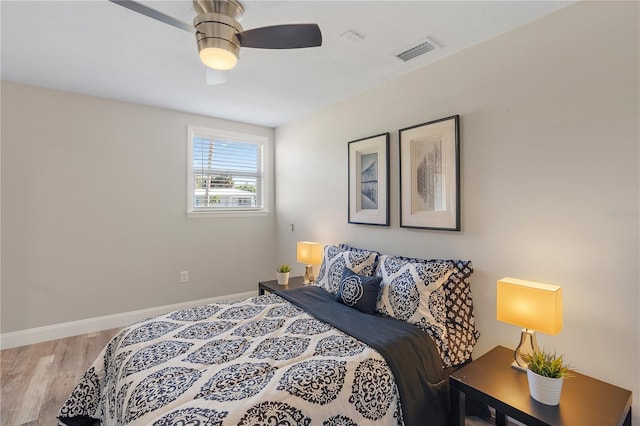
{"x": 544, "y": 389}
{"x": 283, "y": 277}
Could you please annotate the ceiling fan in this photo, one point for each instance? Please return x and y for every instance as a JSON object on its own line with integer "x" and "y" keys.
{"x": 219, "y": 35}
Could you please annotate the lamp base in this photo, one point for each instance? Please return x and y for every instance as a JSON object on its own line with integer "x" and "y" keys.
{"x": 515, "y": 365}
{"x": 308, "y": 275}
{"x": 528, "y": 345}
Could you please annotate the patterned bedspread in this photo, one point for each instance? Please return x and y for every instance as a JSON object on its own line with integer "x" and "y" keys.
{"x": 262, "y": 361}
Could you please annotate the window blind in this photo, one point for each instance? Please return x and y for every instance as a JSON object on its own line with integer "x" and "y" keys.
{"x": 227, "y": 174}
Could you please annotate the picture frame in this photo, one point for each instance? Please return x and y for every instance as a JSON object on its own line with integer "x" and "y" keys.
{"x": 430, "y": 175}
{"x": 369, "y": 180}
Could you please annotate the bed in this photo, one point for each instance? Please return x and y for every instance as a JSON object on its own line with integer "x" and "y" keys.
{"x": 371, "y": 343}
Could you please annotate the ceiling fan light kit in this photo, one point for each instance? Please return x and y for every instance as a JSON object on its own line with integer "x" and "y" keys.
{"x": 217, "y": 41}
{"x": 217, "y": 33}
{"x": 219, "y": 58}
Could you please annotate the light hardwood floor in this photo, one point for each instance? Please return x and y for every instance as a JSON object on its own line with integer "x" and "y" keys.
{"x": 36, "y": 379}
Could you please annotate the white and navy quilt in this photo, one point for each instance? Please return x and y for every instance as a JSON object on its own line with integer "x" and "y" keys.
{"x": 262, "y": 361}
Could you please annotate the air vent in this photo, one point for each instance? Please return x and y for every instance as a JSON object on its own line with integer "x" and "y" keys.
{"x": 352, "y": 36}
{"x": 421, "y": 48}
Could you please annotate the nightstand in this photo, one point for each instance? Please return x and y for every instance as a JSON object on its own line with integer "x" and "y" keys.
{"x": 272, "y": 285}
{"x": 491, "y": 380}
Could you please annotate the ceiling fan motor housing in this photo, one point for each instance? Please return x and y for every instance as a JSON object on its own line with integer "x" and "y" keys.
{"x": 217, "y": 24}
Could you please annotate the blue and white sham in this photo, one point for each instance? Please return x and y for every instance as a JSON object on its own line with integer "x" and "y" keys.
{"x": 337, "y": 259}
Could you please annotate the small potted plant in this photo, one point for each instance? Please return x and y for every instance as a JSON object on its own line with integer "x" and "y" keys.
{"x": 545, "y": 373}
{"x": 282, "y": 274}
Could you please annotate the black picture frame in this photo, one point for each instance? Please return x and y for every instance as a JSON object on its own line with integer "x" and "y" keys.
{"x": 430, "y": 175}
{"x": 368, "y": 174}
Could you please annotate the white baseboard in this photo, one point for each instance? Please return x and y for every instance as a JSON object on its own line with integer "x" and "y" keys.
{"x": 74, "y": 328}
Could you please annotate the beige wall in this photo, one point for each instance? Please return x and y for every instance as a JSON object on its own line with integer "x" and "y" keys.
{"x": 94, "y": 212}
{"x": 550, "y": 183}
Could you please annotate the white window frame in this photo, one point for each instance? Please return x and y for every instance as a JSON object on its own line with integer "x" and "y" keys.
{"x": 210, "y": 133}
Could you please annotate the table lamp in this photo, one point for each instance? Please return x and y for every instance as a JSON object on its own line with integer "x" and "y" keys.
{"x": 533, "y": 306}
{"x": 310, "y": 254}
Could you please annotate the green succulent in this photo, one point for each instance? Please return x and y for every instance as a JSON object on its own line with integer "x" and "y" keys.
{"x": 284, "y": 268}
{"x": 547, "y": 364}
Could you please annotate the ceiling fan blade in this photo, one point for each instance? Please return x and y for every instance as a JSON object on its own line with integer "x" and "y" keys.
{"x": 290, "y": 36}
{"x": 152, "y": 13}
{"x": 216, "y": 76}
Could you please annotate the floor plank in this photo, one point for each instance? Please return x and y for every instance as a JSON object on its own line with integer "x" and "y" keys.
{"x": 36, "y": 390}
{"x": 36, "y": 379}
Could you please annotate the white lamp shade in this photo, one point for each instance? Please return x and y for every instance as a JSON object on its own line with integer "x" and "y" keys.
{"x": 531, "y": 305}
{"x": 217, "y": 58}
{"x": 309, "y": 253}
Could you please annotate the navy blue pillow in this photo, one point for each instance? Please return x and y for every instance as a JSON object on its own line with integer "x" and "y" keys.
{"x": 359, "y": 291}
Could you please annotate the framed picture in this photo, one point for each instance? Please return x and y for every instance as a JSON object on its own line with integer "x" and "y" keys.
{"x": 369, "y": 180}
{"x": 430, "y": 175}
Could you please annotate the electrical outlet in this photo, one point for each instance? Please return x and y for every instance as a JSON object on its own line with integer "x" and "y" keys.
{"x": 184, "y": 277}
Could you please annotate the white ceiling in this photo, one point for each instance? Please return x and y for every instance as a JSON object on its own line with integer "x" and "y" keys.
{"x": 101, "y": 49}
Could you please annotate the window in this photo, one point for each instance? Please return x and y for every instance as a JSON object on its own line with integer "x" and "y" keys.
{"x": 226, "y": 173}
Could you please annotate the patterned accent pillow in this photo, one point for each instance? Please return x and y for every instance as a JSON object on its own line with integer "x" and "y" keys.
{"x": 358, "y": 291}
{"x": 336, "y": 260}
{"x": 343, "y": 246}
{"x": 461, "y": 324}
{"x": 347, "y": 247}
{"x": 459, "y": 336}
{"x": 412, "y": 291}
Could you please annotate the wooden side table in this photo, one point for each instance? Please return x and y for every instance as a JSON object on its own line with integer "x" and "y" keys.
{"x": 490, "y": 379}
{"x": 272, "y": 285}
